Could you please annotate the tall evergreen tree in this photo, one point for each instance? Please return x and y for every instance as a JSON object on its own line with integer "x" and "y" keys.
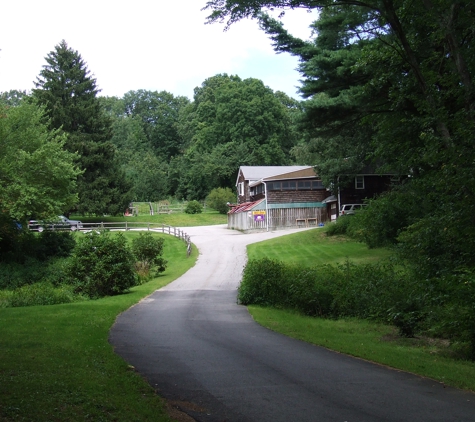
{"x": 69, "y": 93}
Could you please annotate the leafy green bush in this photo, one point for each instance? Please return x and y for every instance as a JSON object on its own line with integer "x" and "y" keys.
{"x": 148, "y": 251}
{"x": 311, "y": 289}
{"x": 380, "y": 223}
{"x": 193, "y": 207}
{"x": 102, "y": 265}
{"x": 218, "y": 199}
{"x": 340, "y": 226}
{"x": 264, "y": 282}
{"x": 270, "y": 282}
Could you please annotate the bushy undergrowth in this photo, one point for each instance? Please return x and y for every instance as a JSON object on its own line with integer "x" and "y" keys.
{"x": 381, "y": 292}
{"x": 56, "y": 269}
{"x": 14, "y": 275}
{"x": 42, "y": 293}
{"x": 148, "y": 252}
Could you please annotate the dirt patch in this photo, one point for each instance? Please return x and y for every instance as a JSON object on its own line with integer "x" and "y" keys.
{"x": 176, "y": 410}
{"x": 417, "y": 341}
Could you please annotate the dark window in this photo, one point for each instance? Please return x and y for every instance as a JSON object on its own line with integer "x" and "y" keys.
{"x": 304, "y": 185}
{"x": 291, "y": 185}
{"x": 317, "y": 184}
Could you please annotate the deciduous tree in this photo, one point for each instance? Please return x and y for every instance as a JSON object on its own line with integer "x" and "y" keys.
{"x": 37, "y": 176}
{"x": 231, "y": 122}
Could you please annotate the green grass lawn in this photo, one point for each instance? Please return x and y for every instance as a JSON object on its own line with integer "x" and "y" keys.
{"x": 56, "y": 363}
{"x": 207, "y": 218}
{"x": 368, "y": 340}
{"x": 313, "y": 247}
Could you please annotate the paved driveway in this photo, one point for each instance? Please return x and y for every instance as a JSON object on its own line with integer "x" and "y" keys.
{"x": 195, "y": 345}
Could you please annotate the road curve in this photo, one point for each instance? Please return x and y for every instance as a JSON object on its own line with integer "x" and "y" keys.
{"x": 196, "y": 345}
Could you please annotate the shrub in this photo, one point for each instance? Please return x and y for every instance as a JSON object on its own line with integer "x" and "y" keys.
{"x": 218, "y": 199}
{"x": 148, "y": 251}
{"x": 371, "y": 291}
{"x": 193, "y": 207}
{"x": 270, "y": 282}
{"x": 311, "y": 290}
{"x": 380, "y": 223}
{"x": 102, "y": 265}
{"x": 340, "y": 226}
{"x": 263, "y": 283}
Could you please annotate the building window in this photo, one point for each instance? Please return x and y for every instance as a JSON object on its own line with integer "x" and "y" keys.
{"x": 241, "y": 188}
{"x": 288, "y": 185}
{"x": 304, "y": 185}
{"x": 359, "y": 182}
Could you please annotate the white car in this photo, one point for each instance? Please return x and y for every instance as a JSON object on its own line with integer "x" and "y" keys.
{"x": 348, "y": 209}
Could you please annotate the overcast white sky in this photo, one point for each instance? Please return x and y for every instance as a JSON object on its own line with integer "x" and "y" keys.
{"x": 142, "y": 44}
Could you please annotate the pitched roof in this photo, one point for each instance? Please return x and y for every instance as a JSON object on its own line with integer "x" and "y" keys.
{"x": 246, "y": 206}
{"x": 254, "y": 173}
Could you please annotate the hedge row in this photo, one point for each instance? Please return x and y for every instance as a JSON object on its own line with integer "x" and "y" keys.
{"x": 384, "y": 292}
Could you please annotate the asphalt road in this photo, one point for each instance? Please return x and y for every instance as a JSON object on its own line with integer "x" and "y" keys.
{"x": 196, "y": 345}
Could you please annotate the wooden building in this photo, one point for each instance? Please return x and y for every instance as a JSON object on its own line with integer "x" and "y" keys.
{"x": 364, "y": 186}
{"x": 273, "y": 197}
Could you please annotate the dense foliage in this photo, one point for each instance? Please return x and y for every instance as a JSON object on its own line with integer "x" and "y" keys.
{"x": 231, "y": 122}
{"x": 61, "y": 266}
{"x": 37, "y": 175}
{"x": 389, "y": 87}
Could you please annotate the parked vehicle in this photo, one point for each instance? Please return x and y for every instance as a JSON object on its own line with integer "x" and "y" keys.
{"x": 65, "y": 223}
{"x": 349, "y": 209}
{"x": 62, "y": 223}
{"x": 35, "y": 225}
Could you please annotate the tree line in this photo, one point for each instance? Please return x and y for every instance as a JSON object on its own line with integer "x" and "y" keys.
{"x": 148, "y": 145}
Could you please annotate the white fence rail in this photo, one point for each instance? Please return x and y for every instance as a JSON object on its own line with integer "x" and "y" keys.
{"x": 130, "y": 225}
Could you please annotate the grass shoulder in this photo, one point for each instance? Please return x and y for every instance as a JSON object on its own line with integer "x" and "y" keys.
{"x": 363, "y": 338}
{"x": 314, "y": 247}
{"x": 57, "y": 363}
{"x": 372, "y": 341}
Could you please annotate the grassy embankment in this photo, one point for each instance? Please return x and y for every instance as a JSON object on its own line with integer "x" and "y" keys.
{"x": 361, "y": 338}
{"x": 207, "y": 218}
{"x": 56, "y": 363}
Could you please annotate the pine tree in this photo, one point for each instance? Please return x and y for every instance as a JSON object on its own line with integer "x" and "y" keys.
{"x": 68, "y": 92}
